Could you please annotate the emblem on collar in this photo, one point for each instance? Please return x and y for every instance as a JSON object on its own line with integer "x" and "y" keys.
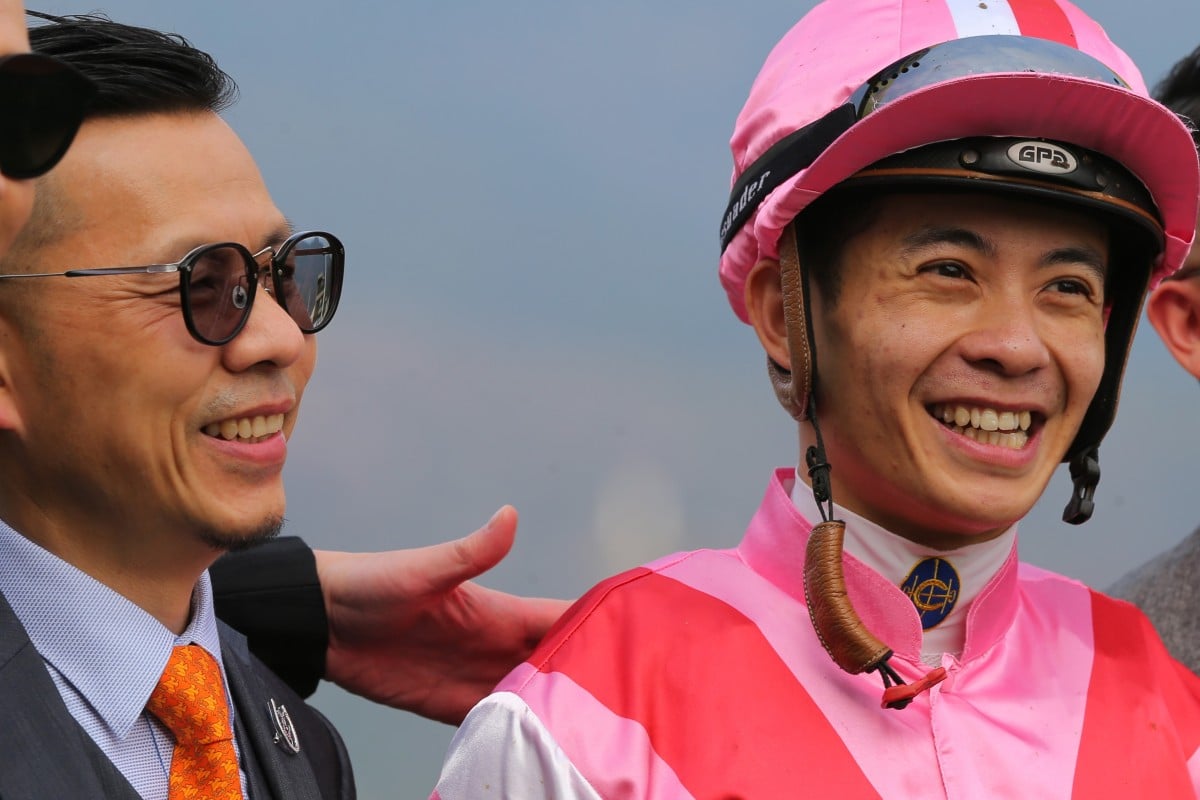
{"x": 933, "y": 587}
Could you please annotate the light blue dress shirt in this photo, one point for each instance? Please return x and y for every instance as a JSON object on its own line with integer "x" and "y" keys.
{"x": 105, "y": 655}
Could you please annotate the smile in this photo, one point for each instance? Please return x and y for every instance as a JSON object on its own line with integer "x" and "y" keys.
{"x": 251, "y": 429}
{"x": 986, "y": 425}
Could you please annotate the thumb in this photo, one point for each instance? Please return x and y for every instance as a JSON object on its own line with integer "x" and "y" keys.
{"x": 476, "y": 553}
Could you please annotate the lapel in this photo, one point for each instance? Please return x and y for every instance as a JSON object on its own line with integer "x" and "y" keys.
{"x": 272, "y": 770}
{"x": 43, "y": 750}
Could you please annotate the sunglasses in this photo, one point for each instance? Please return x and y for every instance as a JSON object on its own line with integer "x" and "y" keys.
{"x": 42, "y": 103}
{"x": 958, "y": 58}
{"x": 217, "y": 283}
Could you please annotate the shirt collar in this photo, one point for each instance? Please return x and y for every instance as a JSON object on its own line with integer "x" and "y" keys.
{"x": 774, "y": 546}
{"x": 111, "y": 651}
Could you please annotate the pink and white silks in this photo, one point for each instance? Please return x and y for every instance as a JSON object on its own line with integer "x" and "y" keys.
{"x": 700, "y": 676}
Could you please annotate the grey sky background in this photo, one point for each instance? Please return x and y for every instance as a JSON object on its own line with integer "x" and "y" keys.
{"x": 529, "y": 195}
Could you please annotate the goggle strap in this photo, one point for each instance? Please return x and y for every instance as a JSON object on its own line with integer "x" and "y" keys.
{"x": 785, "y": 158}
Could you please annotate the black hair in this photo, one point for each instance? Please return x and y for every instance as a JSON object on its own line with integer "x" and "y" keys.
{"x": 1180, "y": 91}
{"x": 825, "y": 227}
{"x": 136, "y": 70}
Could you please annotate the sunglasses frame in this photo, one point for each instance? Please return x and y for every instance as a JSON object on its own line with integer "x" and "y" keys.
{"x": 254, "y": 270}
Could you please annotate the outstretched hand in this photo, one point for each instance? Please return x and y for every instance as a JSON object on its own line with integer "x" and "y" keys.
{"x": 407, "y": 627}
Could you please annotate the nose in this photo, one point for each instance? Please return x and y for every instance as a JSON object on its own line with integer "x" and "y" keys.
{"x": 1006, "y": 337}
{"x": 270, "y": 335}
{"x": 264, "y": 281}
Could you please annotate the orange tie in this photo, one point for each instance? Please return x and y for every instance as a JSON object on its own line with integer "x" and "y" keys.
{"x": 190, "y": 700}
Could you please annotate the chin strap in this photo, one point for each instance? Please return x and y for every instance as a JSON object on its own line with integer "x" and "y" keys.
{"x": 839, "y": 628}
{"x": 1085, "y": 476}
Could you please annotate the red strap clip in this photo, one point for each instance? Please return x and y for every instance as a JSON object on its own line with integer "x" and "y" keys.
{"x": 902, "y": 694}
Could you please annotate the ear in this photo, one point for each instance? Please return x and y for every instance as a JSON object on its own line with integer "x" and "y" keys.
{"x": 1174, "y": 311}
{"x": 10, "y": 408}
{"x": 764, "y": 306}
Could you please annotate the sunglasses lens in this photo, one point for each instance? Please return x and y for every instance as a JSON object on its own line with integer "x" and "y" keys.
{"x": 310, "y": 279}
{"x": 218, "y": 293}
{"x": 42, "y": 103}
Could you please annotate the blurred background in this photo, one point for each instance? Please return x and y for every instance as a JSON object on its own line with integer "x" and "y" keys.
{"x": 529, "y": 195}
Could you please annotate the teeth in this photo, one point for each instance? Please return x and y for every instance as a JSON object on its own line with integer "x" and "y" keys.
{"x": 251, "y": 428}
{"x": 987, "y": 425}
{"x": 1014, "y": 440}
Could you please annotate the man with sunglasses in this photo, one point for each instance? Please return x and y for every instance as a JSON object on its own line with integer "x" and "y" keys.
{"x": 943, "y": 220}
{"x": 1166, "y": 588}
{"x": 157, "y": 316}
{"x": 407, "y": 628}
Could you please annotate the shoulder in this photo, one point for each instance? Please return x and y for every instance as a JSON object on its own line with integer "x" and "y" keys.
{"x": 1167, "y": 574}
{"x": 502, "y": 749}
{"x": 1167, "y": 589}
{"x": 650, "y": 610}
{"x": 643, "y": 641}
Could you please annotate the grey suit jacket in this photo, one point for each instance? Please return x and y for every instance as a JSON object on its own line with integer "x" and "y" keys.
{"x": 44, "y": 753}
{"x": 1167, "y": 589}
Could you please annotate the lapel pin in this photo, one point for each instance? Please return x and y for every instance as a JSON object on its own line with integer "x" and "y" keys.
{"x": 285, "y": 731}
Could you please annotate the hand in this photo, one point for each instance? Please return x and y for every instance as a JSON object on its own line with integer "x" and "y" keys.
{"x": 407, "y": 627}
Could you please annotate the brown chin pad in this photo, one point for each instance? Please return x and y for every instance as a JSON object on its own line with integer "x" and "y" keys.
{"x": 839, "y": 628}
{"x": 792, "y": 387}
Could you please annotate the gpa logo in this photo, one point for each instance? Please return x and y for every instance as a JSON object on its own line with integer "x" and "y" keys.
{"x": 1044, "y": 157}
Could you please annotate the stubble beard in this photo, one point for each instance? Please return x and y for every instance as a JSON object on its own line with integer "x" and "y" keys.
{"x": 232, "y": 542}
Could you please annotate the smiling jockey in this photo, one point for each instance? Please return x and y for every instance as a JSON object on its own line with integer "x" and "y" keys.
{"x": 944, "y": 218}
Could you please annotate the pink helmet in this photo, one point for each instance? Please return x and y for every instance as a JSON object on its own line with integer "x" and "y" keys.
{"x": 858, "y": 81}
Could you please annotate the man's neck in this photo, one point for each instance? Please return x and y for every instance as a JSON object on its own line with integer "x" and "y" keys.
{"x": 156, "y": 575}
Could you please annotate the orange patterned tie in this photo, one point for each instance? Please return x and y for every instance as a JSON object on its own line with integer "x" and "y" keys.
{"x": 190, "y": 700}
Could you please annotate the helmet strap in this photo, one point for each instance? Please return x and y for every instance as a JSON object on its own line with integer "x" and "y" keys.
{"x": 818, "y": 466}
{"x": 1085, "y": 476}
{"x": 793, "y": 386}
{"x": 838, "y": 626}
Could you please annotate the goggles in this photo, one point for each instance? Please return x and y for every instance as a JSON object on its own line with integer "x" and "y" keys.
{"x": 42, "y": 103}
{"x": 958, "y": 58}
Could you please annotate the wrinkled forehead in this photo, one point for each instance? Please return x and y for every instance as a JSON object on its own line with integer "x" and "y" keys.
{"x": 14, "y": 38}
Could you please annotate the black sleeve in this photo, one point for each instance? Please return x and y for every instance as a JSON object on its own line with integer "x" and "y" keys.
{"x": 271, "y": 594}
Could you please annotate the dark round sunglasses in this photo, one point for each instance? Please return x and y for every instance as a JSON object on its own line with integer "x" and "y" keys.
{"x": 217, "y": 282}
{"x": 42, "y": 103}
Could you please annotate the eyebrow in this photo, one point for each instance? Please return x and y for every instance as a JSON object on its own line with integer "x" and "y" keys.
{"x": 278, "y": 234}
{"x": 1088, "y": 257}
{"x": 275, "y": 236}
{"x": 963, "y": 237}
{"x": 936, "y": 235}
